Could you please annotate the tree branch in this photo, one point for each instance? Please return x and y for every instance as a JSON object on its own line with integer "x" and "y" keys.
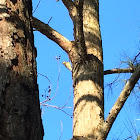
{"x": 121, "y": 100}
{"x": 117, "y": 70}
{"x": 45, "y": 29}
{"x": 70, "y": 6}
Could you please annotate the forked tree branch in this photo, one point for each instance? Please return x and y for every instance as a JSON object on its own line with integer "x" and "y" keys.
{"x": 45, "y": 29}
{"x": 117, "y": 70}
{"x": 121, "y": 100}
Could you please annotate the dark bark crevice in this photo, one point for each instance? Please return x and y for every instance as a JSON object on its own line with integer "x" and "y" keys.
{"x": 19, "y": 97}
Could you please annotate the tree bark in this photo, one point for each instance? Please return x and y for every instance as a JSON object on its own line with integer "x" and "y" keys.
{"x": 88, "y": 76}
{"x": 20, "y": 116}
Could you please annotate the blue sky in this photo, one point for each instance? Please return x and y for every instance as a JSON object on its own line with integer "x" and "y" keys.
{"x": 120, "y": 30}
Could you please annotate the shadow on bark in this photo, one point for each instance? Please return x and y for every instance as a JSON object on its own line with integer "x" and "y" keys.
{"x": 19, "y": 106}
{"x": 20, "y": 116}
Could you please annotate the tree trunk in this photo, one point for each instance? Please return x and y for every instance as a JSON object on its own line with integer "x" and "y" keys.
{"x": 86, "y": 56}
{"x": 88, "y": 79}
{"x": 20, "y": 116}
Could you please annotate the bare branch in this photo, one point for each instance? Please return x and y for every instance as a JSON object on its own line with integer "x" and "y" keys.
{"x": 61, "y": 130}
{"x": 136, "y": 56}
{"x": 121, "y": 100}
{"x": 37, "y": 6}
{"x": 56, "y": 108}
{"x": 117, "y": 70}
{"x": 45, "y": 29}
{"x": 50, "y": 87}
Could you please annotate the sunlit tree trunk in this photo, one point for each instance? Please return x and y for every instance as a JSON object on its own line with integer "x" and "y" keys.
{"x": 88, "y": 78}
{"x": 20, "y": 117}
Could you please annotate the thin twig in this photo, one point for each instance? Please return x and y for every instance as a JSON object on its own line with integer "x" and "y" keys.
{"x": 61, "y": 130}
{"x": 57, "y": 79}
{"x": 37, "y": 6}
{"x": 49, "y": 20}
{"x": 50, "y": 87}
{"x": 67, "y": 99}
{"x": 48, "y": 99}
{"x": 56, "y": 107}
{"x": 45, "y": 77}
{"x": 136, "y": 56}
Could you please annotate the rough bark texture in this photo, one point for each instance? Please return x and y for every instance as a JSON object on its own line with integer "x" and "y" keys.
{"x": 88, "y": 77}
{"x": 20, "y": 116}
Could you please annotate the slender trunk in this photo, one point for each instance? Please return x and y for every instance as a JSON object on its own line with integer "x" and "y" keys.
{"x": 88, "y": 79}
{"x": 20, "y": 117}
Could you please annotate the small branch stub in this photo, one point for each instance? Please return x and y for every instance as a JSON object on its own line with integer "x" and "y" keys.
{"x": 67, "y": 65}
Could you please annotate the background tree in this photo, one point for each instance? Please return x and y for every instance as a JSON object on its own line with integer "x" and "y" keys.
{"x": 84, "y": 52}
{"x": 20, "y": 117}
